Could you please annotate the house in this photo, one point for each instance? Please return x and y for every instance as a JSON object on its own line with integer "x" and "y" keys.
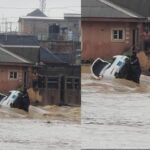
{"x": 50, "y": 76}
{"x": 137, "y": 6}
{"x": 141, "y": 7}
{"x": 59, "y": 35}
{"x": 109, "y": 29}
{"x": 14, "y": 71}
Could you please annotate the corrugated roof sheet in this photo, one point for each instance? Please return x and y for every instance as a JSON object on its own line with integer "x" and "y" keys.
{"x": 48, "y": 56}
{"x": 43, "y": 54}
{"x": 141, "y": 7}
{"x": 31, "y": 54}
{"x": 104, "y": 8}
{"x": 9, "y": 57}
{"x": 26, "y": 40}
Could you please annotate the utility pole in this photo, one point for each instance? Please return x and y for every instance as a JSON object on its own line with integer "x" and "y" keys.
{"x": 42, "y": 5}
{"x": 6, "y": 23}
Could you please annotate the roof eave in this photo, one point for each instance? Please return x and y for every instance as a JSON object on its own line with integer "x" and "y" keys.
{"x": 39, "y": 18}
{"x": 16, "y": 64}
{"x": 110, "y": 19}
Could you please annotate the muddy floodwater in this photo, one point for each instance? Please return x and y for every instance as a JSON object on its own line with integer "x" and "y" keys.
{"x": 115, "y": 113}
{"x": 43, "y": 128}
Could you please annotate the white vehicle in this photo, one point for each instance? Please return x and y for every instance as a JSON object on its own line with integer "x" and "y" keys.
{"x": 101, "y": 68}
{"x": 10, "y": 98}
{"x": 2, "y": 96}
{"x": 15, "y": 99}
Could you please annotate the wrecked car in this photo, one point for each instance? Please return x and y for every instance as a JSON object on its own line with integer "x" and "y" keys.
{"x": 121, "y": 67}
{"x": 16, "y": 99}
{"x": 2, "y": 96}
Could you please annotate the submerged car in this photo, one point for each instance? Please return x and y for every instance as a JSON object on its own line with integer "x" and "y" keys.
{"x": 121, "y": 67}
{"x": 2, "y": 96}
{"x": 101, "y": 68}
{"x": 16, "y": 99}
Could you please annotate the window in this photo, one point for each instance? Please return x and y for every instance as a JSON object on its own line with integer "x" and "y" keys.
{"x": 147, "y": 46}
{"x": 13, "y": 75}
{"x": 146, "y": 27}
{"x": 117, "y": 34}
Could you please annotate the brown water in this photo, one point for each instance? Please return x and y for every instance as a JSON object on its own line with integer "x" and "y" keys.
{"x": 63, "y": 113}
{"x": 43, "y": 128}
{"x": 115, "y": 113}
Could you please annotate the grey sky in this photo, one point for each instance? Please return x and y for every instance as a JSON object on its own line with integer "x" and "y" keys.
{"x": 11, "y": 10}
{"x": 54, "y": 8}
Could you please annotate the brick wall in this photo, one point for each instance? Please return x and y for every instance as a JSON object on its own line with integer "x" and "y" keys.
{"x": 97, "y": 42}
{"x": 7, "y": 84}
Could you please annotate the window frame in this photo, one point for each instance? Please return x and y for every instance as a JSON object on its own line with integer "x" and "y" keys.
{"x": 117, "y": 39}
{"x": 12, "y": 78}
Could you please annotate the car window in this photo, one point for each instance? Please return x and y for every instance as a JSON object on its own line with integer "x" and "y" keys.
{"x": 14, "y": 96}
{"x": 119, "y": 63}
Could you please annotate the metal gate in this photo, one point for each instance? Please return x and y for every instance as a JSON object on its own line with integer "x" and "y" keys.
{"x": 72, "y": 91}
{"x": 61, "y": 90}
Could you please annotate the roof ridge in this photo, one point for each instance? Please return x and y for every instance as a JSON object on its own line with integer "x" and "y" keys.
{"x": 36, "y": 12}
{"x": 119, "y": 8}
{"x": 14, "y": 55}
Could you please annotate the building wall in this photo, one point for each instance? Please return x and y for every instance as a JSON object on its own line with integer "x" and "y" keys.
{"x": 40, "y": 27}
{"x": 34, "y": 27}
{"x": 61, "y": 85}
{"x": 7, "y": 84}
{"x": 97, "y": 42}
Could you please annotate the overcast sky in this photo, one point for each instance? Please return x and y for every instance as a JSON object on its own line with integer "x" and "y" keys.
{"x": 12, "y": 9}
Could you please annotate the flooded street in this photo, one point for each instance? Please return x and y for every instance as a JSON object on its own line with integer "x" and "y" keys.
{"x": 115, "y": 113}
{"x": 43, "y": 128}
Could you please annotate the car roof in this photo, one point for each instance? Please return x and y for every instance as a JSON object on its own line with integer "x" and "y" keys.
{"x": 2, "y": 94}
{"x": 15, "y": 91}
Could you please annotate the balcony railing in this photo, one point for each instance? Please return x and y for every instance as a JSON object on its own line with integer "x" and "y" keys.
{"x": 59, "y": 37}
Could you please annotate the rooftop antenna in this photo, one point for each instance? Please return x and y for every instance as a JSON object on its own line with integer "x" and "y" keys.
{"x": 42, "y": 5}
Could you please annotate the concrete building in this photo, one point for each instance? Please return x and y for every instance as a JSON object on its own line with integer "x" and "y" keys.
{"x": 50, "y": 77}
{"x": 14, "y": 71}
{"x": 45, "y": 28}
{"x": 58, "y": 35}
